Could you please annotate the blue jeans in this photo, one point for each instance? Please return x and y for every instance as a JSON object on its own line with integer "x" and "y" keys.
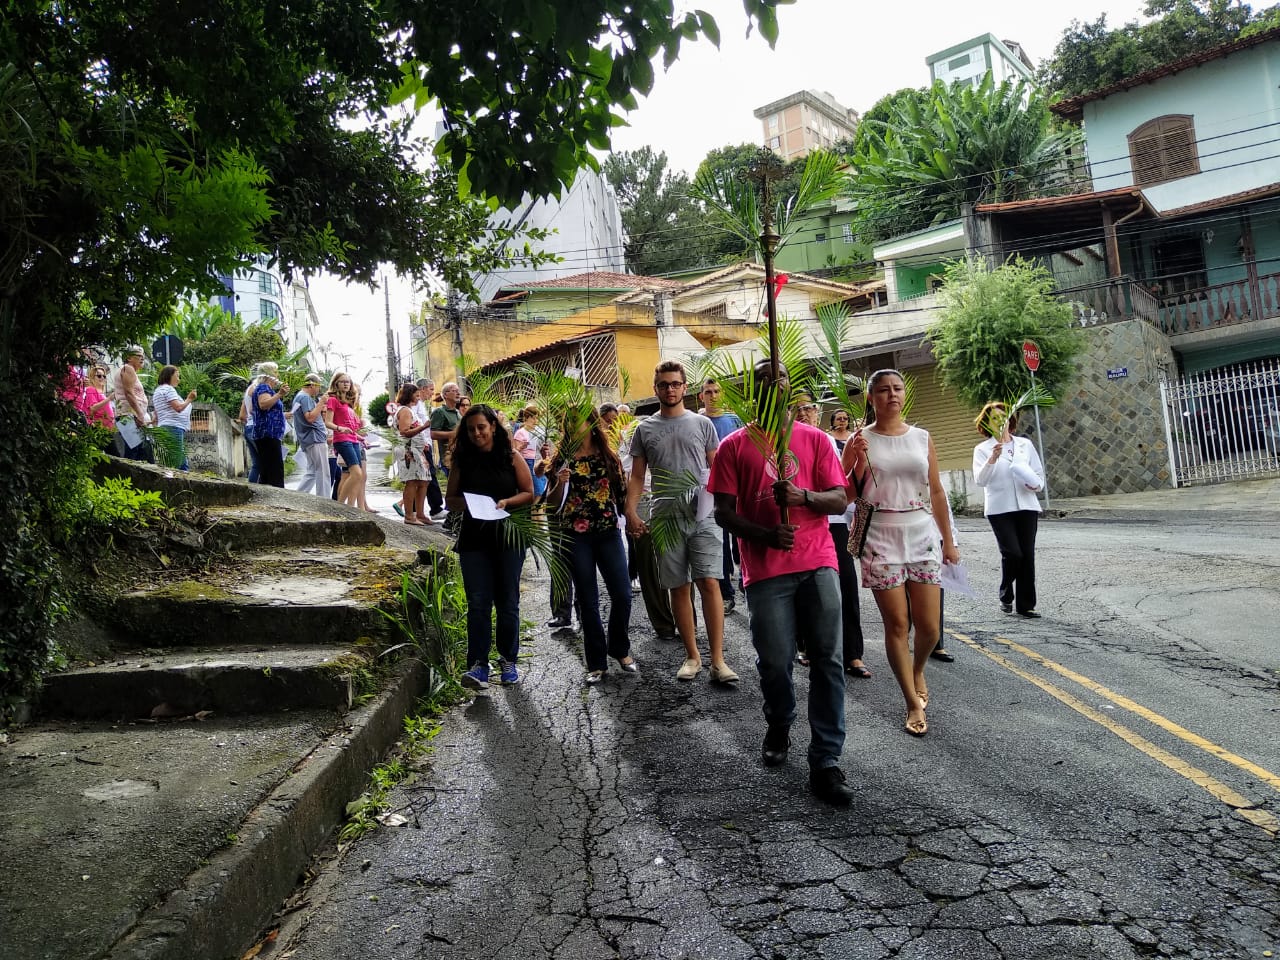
{"x": 605, "y": 552}
{"x": 783, "y": 608}
{"x": 492, "y": 580}
{"x": 178, "y": 453}
{"x": 253, "y": 455}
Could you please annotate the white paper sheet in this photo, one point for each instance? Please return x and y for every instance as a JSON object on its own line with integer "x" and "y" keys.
{"x": 956, "y": 579}
{"x": 484, "y": 508}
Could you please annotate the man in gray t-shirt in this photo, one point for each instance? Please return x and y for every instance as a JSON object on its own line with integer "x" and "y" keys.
{"x": 673, "y": 445}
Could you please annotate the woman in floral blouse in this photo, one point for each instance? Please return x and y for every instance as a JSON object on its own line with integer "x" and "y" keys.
{"x": 590, "y": 515}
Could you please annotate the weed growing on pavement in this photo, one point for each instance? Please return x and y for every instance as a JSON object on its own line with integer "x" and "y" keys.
{"x": 431, "y": 615}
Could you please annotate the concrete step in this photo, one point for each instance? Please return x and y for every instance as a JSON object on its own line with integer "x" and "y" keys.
{"x": 176, "y": 487}
{"x": 175, "y": 840}
{"x": 225, "y": 680}
{"x": 303, "y": 522}
{"x": 293, "y": 596}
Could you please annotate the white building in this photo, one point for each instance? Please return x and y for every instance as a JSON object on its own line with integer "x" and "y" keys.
{"x": 587, "y": 234}
{"x": 259, "y": 294}
{"x": 967, "y": 62}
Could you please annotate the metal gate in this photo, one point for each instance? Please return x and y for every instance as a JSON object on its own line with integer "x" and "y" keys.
{"x": 1223, "y": 424}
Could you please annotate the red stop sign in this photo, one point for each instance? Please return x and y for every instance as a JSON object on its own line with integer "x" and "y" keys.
{"x": 1031, "y": 355}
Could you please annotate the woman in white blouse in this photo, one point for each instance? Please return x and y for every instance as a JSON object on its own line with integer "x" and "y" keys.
{"x": 1009, "y": 471}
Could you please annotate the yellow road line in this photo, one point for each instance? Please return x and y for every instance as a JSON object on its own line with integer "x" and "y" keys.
{"x": 1182, "y": 733}
{"x": 1220, "y": 791}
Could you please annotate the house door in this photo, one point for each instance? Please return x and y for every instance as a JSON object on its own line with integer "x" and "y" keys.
{"x": 1223, "y": 424}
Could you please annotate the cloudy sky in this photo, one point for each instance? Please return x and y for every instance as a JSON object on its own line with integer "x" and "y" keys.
{"x": 856, "y": 51}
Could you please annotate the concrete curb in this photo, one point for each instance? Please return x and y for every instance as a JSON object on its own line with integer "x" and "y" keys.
{"x": 223, "y": 906}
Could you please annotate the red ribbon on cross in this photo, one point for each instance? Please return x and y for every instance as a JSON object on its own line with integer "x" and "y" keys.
{"x": 779, "y": 281}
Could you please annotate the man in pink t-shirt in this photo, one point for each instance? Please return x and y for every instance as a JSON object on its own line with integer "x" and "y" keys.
{"x": 790, "y": 575}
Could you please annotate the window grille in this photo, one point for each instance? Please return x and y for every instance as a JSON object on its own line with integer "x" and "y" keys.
{"x": 1164, "y": 149}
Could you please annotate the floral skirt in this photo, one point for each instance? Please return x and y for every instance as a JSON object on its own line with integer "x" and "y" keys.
{"x": 410, "y": 463}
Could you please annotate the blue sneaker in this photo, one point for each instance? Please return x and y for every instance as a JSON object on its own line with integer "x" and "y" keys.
{"x": 477, "y": 678}
{"x": 507, "y": 673}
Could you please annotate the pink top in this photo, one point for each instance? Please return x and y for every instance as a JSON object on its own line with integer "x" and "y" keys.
{"x": 742, "y": 471}
{"x": 345, "y": 423}
{"x": 106, "y": 415}
{"x": 523, "y": 443}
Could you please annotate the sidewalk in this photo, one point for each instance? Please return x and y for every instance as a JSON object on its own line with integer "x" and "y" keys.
{"x": 1260, "y": 498}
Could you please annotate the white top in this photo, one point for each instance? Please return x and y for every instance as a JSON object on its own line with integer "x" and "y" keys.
{"x": 166, "y": 416}
{"x": 846, "y": 518}
{"x": 1006, "y": 491}
{"x": 899, "y": 470}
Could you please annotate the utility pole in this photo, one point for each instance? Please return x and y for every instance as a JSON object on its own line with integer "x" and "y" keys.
{"x": 393, "y": 371}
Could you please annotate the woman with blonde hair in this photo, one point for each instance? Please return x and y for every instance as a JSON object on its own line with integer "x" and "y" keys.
{"x": 340, "y": 417}
{"x": 909, "y": 537}
{"x": 1009, "y": 471}
{"x": 269, "y": 423}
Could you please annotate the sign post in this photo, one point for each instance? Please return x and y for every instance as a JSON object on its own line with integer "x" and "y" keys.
{"x": 1031, "y": 357}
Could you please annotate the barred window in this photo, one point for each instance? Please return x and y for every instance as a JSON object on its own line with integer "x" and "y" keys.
{"x": 1163, "y": 149}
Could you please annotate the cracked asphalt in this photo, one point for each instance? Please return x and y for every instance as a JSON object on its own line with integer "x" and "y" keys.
{"x": 1102, "y": 783}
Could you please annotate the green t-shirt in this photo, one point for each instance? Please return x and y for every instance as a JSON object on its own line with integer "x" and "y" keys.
{"x": 442, "y": 418}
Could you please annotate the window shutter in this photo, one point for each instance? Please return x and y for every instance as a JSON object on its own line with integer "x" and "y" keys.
{"x": 1163, "y": 149}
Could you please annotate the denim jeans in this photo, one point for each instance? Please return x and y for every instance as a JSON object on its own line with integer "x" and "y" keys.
{"x": 603, "y": 551}
{"x": 783, "y": 608}
{"x": 177, "y": 452}
{"x": 253, "y": 455}
{"x": 492, "y": 580}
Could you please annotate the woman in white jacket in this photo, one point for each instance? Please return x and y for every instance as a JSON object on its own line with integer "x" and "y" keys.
{"x": 1010, "y": 473}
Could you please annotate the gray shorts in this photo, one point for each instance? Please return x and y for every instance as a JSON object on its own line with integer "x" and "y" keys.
{"x": 699, "y": 556}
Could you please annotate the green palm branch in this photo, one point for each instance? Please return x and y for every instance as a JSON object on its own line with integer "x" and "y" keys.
{"x": 673, "y": 513}
{"x": 1036, "y": 396}
{"x": 525, "y": 530}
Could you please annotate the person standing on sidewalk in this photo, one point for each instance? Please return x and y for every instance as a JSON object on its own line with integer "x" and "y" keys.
{"x": 444, "y": 422}
{"x": 675, "y": 443}
{"x": 1009, "y": 472}
{"x": 790, "y": 577}
{"x": 840, "y": 434}
{"x": 725, "y": 423}
{"x": 422, "y": 413}
{"x": 312, "y": 437}
{"x": 131, "y": 408}
{"x": 268, "y": 424}
{"x": 485, "y": 465}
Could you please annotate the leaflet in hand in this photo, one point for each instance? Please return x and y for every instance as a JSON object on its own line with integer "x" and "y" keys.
{"x": 956, "y": 579}
{"x": 484, "y": 508}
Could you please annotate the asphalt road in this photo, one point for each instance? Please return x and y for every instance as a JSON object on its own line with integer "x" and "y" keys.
{"x": 1102, "y": 783}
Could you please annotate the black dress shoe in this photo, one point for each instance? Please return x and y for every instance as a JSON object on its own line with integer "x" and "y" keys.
{"x": 829, "y": 786}
{"x": 943, "y": 655}
{"x": 560, "y": 623}
{"x": 1006, "y": 608}
{"x": 1029, "y": 614}
{"x": 777, "y": 741}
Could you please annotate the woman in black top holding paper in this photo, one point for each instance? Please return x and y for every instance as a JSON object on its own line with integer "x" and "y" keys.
{"x": 485, "y": 464}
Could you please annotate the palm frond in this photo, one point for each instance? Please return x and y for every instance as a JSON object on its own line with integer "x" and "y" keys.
{"x": 672, "y": 517}
{"x": 1036, "y": 396}
{"x": 529, "y": 531}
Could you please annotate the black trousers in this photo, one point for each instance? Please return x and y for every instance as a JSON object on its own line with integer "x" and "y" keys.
{"x": 270, "y": 462}
{"x": 1016, "y": 536}
{"x": 850, "y": 614}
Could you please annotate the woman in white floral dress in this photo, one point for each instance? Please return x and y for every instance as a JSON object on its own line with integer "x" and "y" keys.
{"x": 411, "y": 458}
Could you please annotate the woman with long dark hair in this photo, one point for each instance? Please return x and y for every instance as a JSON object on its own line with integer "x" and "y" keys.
{"x": 590, "y": 519}
{"x": 909, "y": 537}
{"x": 485, "y": 466}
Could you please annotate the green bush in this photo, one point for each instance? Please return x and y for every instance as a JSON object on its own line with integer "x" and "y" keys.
{"x": 377, "y": 410}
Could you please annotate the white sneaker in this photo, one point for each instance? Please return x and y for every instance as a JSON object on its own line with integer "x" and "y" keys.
{"x": 689, "y": 669}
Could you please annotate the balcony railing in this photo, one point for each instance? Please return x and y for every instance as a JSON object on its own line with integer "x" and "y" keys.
{"x": 1219, "y": 305}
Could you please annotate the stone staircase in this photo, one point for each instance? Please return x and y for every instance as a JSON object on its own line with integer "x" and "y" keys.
{"x": 207, "y": 736}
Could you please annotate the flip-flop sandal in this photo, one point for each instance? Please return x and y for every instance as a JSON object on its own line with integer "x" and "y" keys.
{"x": 917, "y": 729}
{"x": 862, "y": 673}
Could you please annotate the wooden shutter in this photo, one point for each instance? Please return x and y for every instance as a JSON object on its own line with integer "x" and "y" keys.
{"x": 937, "y": 409}
{"x": 1163, "y": 149}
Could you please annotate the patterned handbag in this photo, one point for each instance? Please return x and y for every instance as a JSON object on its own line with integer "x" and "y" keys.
{"x": 861, "y": 523}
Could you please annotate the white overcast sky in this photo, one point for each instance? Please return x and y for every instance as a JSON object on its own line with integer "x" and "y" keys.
{"x": 856, "y": 51}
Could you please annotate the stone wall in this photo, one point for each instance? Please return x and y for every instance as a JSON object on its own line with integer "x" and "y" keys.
{"x": 1107, "y": 435}
{"x": 216, "y": 442}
